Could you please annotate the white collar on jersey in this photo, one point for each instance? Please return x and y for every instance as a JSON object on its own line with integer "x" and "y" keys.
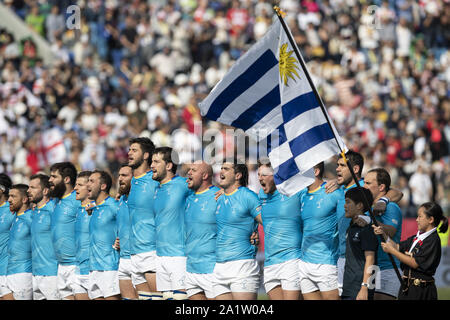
{"x": 421, "y": 237}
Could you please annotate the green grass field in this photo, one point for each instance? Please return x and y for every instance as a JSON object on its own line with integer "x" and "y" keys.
{"x": 443, "y": 294}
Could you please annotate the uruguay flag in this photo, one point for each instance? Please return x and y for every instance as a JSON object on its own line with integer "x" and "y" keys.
{"x": 267, "y": 94}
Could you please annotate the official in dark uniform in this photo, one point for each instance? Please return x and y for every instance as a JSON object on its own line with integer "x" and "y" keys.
{"x": 419, "y": 255}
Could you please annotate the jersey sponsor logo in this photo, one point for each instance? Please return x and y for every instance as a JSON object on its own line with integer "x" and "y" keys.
{"x": 319, "y": 203}
{"x": 356, "y": 237}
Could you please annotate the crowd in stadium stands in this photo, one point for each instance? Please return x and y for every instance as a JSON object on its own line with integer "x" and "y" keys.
{"x": 140, "y": 68}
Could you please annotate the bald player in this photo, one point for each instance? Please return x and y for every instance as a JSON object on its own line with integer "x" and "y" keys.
{"x": 200, "y": 229}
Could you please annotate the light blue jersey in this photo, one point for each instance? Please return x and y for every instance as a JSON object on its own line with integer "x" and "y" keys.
{"x": 142, "y": 218}
{"x": 235, "y": 218}
{"x": 343, "y": 222}
{"x": 103, "y": 234}
{"x": 82, "y": 240}
{"x": 123, "y": 227}
{"x": 320, "y": 243}
{"x": 282, "y": 226}
{"x": 6, "y": 220}
{"x": 43, "y": 255}
{"x": 63, "y": 228}
{"x": 169, "y": 204}
{"x": 392, "y": 217}
{"x": 19, "y": 247}
{"x": 200, "y": 226}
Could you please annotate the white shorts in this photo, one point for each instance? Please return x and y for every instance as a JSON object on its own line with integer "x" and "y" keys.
{"x": 103, "y": 284}
{"x": 81, "y": 284}
{"x": 21, "y": 285}
{"x": 199, "y": 282}
{"x": 285, "y": 274}
{"x": 389, "y": 283}
{"x": 142, "y": 263}
{"x": 314, "y": 277}
{"x": 236, "y": 276}
{"x": 170, "y": 273}
{"x": 125, "y": 271}
{"x": 45, "y": 288}
{"x": 4, "y": 290}
{"x": 340, "y": 267}
{"x": 66, "y": 280}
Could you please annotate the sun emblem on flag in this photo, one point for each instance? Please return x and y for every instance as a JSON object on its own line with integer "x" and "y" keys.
{"x": 287, "y": 64}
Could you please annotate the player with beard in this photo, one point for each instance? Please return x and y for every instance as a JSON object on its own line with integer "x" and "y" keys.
{"x": 82, "y": 237}
{"x": 62, "y": 181}
{"x": 142, "y": 219}
{"x": 237, "y": 216}
{"x": 200, "y": 225}
{"x": 6, "y": 220}
{"x": 127, "y": 290}
{"x": 45, "y": 265}
{"x": 346, "y": 182}
{"x": 169, "y": 204}
{"x": 19, "y": 276}
{"x": 103, "y": 258}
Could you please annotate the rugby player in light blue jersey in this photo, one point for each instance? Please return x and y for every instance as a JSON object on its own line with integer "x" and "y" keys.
{"x": 6, "y": 220}
{"x": 346, "y": 182}
{"x": 62, "y": 181}
{"x": 19, "y": 277}
{"x": 237, "y": 216}
{"x": 169, "y": 204}
{"x": 378, "y": 181}
{"x": 127, "y": 290}
{"x": 200, "y": 225}
{"x": 283, "y": 237}
{"x": 82, "y": 237}
{"x": 44, "y": 263}
{"x": 142, "y": 219}
{"x": 320, "y": 243}
{"x": 103, "y": 257}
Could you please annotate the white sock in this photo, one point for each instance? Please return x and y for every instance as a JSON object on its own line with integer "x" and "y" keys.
{"x": 157, "y": 296}
{"x": 143, "y": 295}
{"x": 179, "y": 295}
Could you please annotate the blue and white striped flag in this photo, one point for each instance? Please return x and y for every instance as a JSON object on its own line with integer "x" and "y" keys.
{"x": 266, "y": 93}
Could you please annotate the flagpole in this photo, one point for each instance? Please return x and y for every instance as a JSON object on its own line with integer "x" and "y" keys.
{"x": 322, "y": 107}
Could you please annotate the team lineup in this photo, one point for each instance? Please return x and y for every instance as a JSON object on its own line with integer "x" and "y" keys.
{"x": 166, "y": 237}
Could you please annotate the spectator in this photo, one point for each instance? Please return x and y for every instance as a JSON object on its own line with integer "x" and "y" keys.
{"x": 36, "y": 20}
{"x": 382, "y": 75}
{"x": 54, "y": 24}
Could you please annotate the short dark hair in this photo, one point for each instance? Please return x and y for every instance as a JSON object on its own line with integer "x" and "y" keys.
{"x": 124, "y": 165}
{"x": 5, "y": 183}
{"x": 105, "y": 178}
{"x": 321, "y": 167}
{"x": 23, "y": 189}
{"x": 383, "y": 177}
{"x": 84, "y": 174}
{"x": 357, "y": 195}
{"x": 43, "y": 180}
{"x": 146, "y": 146}
{"x": 169, "y": 156}
{"x": 65, "y": 169}
{"x": 239, "y": 167}
{"x": 355, "y": 159}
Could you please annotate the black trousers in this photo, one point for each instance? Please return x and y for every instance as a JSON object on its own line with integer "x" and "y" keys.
{"x": 428, "y": 292}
